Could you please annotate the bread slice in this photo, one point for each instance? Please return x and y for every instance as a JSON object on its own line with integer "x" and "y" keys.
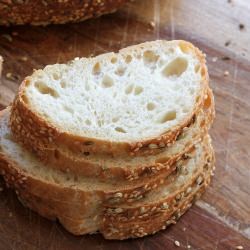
{"x": 37, "y": 12}
{"x": 78, "y": 203}
{"x": 130, "y": 168}
{"x": 136, "y": 101}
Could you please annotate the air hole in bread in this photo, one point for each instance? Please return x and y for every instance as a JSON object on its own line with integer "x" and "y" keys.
{"x": 107, "y": 82}
{"x": 150, "y": 57}
{"x": 150, "y": 106}
{"x": 120, "y": 71}
{"x": 46, "y": 90}
{"x": 129, "y": 89}
{"x": 169, "y": 116}
{"x": 138, "y": 90}
{"x": 88, "y": 122}
{"x": 96, "y": 69}
{"x": 197, "y": 68}
{"x": 128, "y": 59}
{"x": 176, "y": 68}
{"x": 68, "y": 109}
{"x": 120, "y": 130}
{"x": 63, "y": 84}
{"x": 55, "y": 76}
{"x": 185, "y": 48}
{"x": 113, "y": 60}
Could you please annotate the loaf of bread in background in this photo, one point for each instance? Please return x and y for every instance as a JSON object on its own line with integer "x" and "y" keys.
{"x": 37, "y": 12}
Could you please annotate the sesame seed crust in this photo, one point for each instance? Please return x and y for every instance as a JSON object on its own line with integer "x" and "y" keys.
{"x": 54, "y": 11}
{"x": 133, "y": 213}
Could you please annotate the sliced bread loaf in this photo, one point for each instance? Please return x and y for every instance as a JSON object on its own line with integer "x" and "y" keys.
{"x": 78, "y": 203}
{"x": 131, "y": 168}
{"x": 136, "y": 101}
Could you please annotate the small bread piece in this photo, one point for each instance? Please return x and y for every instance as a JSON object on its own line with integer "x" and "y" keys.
{"x": 79, "y": 203}
{"x": 133, "y": 102}
{"x": 37, "y": 12}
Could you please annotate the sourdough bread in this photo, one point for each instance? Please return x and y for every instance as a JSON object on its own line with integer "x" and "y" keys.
{"x": 136, "y": 101}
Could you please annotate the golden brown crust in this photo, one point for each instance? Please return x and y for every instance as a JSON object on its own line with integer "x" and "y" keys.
{"x": 131, "y": 213}
{"x": 45, "y": 12}
{"x": 144, "y": 227}
{"x": 61, "y": 204}
{"x": 43, "y": 135}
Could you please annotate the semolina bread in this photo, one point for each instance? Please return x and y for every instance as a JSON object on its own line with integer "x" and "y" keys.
{"x": 136, "y": 101}
{"x": 81, "y": 204}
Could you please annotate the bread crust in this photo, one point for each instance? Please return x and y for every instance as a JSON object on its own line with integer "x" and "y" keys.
{"x": 40, "y": 134}
{"x": 46, "y": 12}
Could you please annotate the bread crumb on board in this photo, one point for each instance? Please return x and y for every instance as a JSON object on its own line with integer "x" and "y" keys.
{"x": 177, "y": 243}
{"x": 239, "y": 247}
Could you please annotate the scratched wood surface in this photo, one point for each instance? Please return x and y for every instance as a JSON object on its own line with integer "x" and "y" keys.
{"x": 221, "y": 28}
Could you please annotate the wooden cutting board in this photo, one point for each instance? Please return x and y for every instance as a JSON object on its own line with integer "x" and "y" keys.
{"x": 221, "y": 28}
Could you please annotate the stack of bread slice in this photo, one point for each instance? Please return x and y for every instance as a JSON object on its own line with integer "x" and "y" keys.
{"x": 116, "y": 144}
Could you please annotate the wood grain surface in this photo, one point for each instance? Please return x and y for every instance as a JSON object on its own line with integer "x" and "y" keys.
{"x": 221, "y": 28}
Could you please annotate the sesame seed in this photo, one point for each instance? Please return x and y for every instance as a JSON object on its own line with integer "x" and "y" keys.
{"x": 177, "y": 243}
{"x": 214, "y": 59}
{"x": 239, "y": 247}
{"x": 226, "y": 73}
{"x": 152, "y": 24}
{"x": 118, "y": 210}
{"x": 118, "y": 195}
{"x": 152, "y": 146}
{"x": 188, "y": 246}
